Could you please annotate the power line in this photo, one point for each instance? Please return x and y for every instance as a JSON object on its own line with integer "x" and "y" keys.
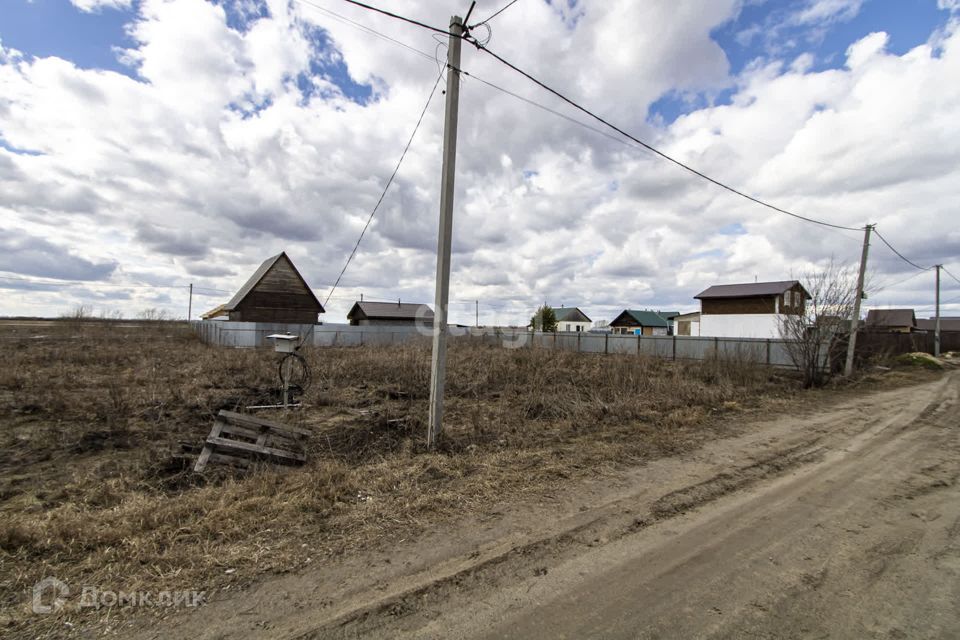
{"x": 648, "y": 146}
{"x": 944, "y": 269}
{"x": 898, "y": 282}
{"x": 900, "y": 255}
{"x": 496, "y": 13}
{"x": 398, "y": 17}
{"x": 387, "y": 186}
{"x": 344, "y": 19}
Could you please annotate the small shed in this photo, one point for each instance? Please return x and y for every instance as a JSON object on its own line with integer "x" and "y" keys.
{"x": 276, "y": 292}
{"x": 365, "y": 313}
{"x": 687, "y": 324}
{"x": 891, "y": 320}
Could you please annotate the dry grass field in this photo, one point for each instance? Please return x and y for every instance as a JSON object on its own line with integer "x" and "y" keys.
{"x": 91, "y": 415}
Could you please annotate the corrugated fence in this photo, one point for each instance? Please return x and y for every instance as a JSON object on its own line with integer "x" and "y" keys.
{"x": 254, "y": 334}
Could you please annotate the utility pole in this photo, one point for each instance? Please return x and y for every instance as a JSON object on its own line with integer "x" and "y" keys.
{"x": 438, "y": 362}
{"x": 190, "y": 305}
{"x": 855, "y": 320}
{"x": 477, "y": 307}
{"x": 936, "y": 322}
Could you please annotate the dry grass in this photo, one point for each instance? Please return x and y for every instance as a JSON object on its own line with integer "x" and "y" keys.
{"x": 90, "y": 493}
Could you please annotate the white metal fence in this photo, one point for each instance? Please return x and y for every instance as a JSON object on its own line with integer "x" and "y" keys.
{"x": 254, "y": 334}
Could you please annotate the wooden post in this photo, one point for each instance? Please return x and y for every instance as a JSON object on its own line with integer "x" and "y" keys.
{"x": 768, "y": 351}
{"x": 674, "y": 348}
{"x": 606, "y": 343}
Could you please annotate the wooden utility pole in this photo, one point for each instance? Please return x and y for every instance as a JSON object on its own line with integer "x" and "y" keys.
{"x": 438, "y": 362}
{"x": 855, "y": 319}
{"x": 477, "y": 307}
{"x": 936, "y": 322}
{"x": 190, "y": 305}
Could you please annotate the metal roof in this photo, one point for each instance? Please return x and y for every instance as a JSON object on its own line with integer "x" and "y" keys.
{"x": 891, "y": 318}
{"x": 563, "y": 314}
{"x": 749, "y": 290}
{"x": 392, "y": 310}
{"x": 258, "y": 275}
{"x": 647, "y": 318}
{"x": 947, "y": 323}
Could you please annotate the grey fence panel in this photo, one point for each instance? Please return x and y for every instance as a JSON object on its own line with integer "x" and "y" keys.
{"x": 593, "y": 342}
{"x": 251, "y": 334}
{"x": 622, "y": 344}
{"x": 567, "y": 341}
{"x": 742, "y": 350}
{"x": 694, "y": 348}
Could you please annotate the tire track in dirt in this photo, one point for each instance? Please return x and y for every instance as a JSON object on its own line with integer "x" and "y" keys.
{"x": 880, "y": 438}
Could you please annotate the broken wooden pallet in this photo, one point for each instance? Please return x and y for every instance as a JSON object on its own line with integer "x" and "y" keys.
{"x": 240, "y": 439}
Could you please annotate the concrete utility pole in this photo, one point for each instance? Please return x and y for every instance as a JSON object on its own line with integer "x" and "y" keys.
{"x": 855, "y": 320}
{"x": 438, "y": 363}
{"x": 190, "y": 305}
{"x": 936, "y": 322}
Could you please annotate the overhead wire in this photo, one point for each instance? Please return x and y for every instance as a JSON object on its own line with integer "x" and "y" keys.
{"x": 900, "y": 255}
{"x": 386, "y": 186}
{"x": 495, "y": 14}
{"x": 944, "y": 269}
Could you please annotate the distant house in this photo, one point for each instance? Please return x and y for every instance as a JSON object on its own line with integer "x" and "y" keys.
{"x": 571, "y": 319}
{"x": 752, "y": 310}
{"x": 947, "y": 323}
{"x": 687, "y": 324}
{"x": 365, "y": 313}
{"x": 891, "y": 320}
{"x": 276, "y": 292}
{"x": 643, "y": 322}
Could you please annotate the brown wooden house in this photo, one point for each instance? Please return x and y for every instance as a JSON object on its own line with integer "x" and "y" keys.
{"x": 276, "y": 292}
{"x": 749, "y": 310}
{"x": 364, "y": 313}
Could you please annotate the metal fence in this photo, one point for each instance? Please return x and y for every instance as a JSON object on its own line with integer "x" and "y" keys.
{"x": 254, "y": 334}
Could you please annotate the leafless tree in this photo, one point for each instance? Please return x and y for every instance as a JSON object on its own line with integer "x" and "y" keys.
{"x": 826, "y": 313}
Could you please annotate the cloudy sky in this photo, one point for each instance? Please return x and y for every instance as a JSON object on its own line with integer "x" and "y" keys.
{"x": 148, "y": 144}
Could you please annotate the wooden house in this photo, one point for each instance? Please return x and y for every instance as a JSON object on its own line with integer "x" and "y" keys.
{"x": 891, "y": 320}
{"x": 752, "y": 310}
{"x": 276, "y": 292}
{"x": 390, "y": 313}
{"x": 646, "y": 322}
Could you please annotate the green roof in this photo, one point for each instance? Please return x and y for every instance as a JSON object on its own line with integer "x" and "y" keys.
{"x": 648, "y": 318}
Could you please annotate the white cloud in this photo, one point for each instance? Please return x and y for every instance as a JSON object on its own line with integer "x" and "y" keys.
{"x": 96, "y": 5}
{"x": 213, "y": 158}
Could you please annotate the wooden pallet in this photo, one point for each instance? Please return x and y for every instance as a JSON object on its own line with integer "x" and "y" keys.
{"x": 240, "y": 440}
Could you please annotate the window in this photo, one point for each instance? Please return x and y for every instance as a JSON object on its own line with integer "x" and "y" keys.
{"x": 786, "y": 299}
{"x": 579, "y": 327}
{"x": 568, "y": 327}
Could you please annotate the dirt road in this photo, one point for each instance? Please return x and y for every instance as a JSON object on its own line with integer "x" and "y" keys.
{"x": 831, "y": 522}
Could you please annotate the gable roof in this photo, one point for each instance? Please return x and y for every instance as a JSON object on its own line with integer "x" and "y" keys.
{"x": 258, "y": 275}
{"x": 750, "y": 290}
{"x": 891, "y": 318}
{"x": 947, "y": 323}
{"x": 216, "y": 312}
{"x": 646, "y": 318}
{"x": 391, "y": 310}
{"x": 570, "y": 314}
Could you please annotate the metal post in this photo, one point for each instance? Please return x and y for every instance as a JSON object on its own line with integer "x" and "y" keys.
{"x": 190, "y": 305}
{"x": 936, "y": 322}
{"x": 855, "y": 320}
{"x": 438, "y": 362}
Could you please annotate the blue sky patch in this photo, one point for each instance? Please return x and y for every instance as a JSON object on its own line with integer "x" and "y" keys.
{"x": 44, "y": 28}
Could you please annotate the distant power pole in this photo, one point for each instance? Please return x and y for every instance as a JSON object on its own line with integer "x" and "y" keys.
{"x": 190, "y": 304}
{"x": 855, "y": 320}
{"x": 936, "y": 322}
{"x": 438, "y": 362}
{"x": 477, "y": 307}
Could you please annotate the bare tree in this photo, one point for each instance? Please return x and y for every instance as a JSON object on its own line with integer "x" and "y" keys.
{"x": 809, "y": 331}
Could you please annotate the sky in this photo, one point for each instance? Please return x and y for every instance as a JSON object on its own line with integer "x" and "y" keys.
{"x": 149, "y": 144}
